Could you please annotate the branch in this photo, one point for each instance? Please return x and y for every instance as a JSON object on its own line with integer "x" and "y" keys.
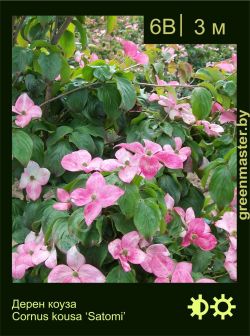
{"x": 165, "y": 85}
{"x": 67, "y": 93}
{"x": 132, "y": 66}
{"x": 18, "y": 28}
{"x": 62, "y": 29}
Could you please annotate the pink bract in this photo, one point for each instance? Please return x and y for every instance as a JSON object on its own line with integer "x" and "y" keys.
{"x": 33, "y": 178}
{"x": 26, "y": 110}
{"x": 126, "y": 250}
{"x": 157, "y": 261}
{"x": 228, "y": 222}
{"x": 76, "y": 270}
{"x": 132, "y": 51}
{"x": 81, "y": 160}
{"x": 96, "y": 196}
{"x": 212, "y": 129}
{"x": 64, "y": 197}
{"x": 181, "y": 273}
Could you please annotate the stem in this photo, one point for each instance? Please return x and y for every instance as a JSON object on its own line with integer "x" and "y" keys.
{"x": 166, "y": 85}
{"x": 67, "y": 93}
{"x": 18, "y": 28}
{"x": 61, "y": 30}
{"x": 132, "y": 66}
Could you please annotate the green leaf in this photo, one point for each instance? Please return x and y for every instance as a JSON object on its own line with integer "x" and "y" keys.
{"x": 208, "y": 169}
{"x": 21, "y": 59}
{"x": 221, "y": 186}
{"x": 77, "y": 100}
{"x": 111, "y": 23}
{"x": 82, "y": 31}
{"x": 111, "y": 99}
{"x": 65, "y": 70}
{"x": 22, "y": 146}
{"x": 210, "y": 87}
{"x": 194, "y": 199}
{"x": 87, "y": 73}
{"x": 196, "y": 153}
{"x": 175, "y": 227}
{"x": 67, "y": 42}
{"x": 122, "y": 223}
{"x": 201, "y": 101}
{"x": 48, "y": 219}
{"x": 232, "y": 165}
{"x": 102, "y": 72}
{"x": 201, "y": 260}
{"x": 93, "y": 130}
{"x": 170, "y": 186}
{"x": 209, "y": 74}
{"x": 167, "y": 128}
{"x": 127, "y": 93}
{"x": 147, "y": 217}
{"x": 83, "y": 141}
{"x": 88, "y": 236}
{"x": 61, "y": 236}
{"x": 19, "y": 231}
{"x": 50, "y": 65}
{"x": 58, "y": 135}
{"x": 128, "y": 202}
{"x": 117, "y": 275}
{"x": 54, "y": 155}
{"x": 38, "y": 149}
{"x": 229, "y": 88}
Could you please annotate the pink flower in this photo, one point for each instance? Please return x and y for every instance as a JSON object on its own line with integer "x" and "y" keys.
{"x": 58, "y": 78}
{"x": 228, "y": 116}
{"x": 81, "y": 160}
{"x": 174, "y": 158}
{"x": 26, "y": 110}
{"x": 183, "y": 111}
{"x": 148, "y": 161}
{"x": 228, "y": 222}
{"x": 76, "y": 270}
{"x": 153, "y": 97}
{"x": 157, "y": 261}
{"x": 211, "y": 129}
{"x": 198, "y": 235}
{"x": 127, "y": 250}
{"x": 33, "y": 252}
{"x": 168, "y": 102}
{"x": 93, "y": 57}
{"x": 225, "y": 66}
{"x": 18, "y": 268}
{"x": 96, "y": 196}
{"x": 217, "y": 107}
{"x": 150, "y": 155}
{"x": 181, "y": 273}
{"x": 169, "y": 201}
{"x": 163, "y": 83}
{"x": 198, "y": 231}
{"x": 78, "y": 58}
{"x": 132, "y": 51}
{"x": 230, "y": 263}
{"x": 126, "y": 162}
{"x": 64, "y": 197}
{"x": 205, "y": 280}
{"x": 32, "y": 179}
{"x": 175, "y": 110}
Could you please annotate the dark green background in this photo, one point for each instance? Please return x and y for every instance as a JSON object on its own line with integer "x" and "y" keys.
{"x": 151, "y": 309}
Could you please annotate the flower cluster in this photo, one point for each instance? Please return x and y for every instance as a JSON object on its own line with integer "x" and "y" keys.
{"x": 32, "y": 253}
{"x": 156, "y": 260}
